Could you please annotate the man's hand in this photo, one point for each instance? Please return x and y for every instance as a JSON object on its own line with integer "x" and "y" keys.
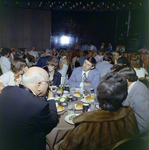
{"x": 50, "y": 94}
{"x": 86, "y": 84}
{"x": 1, "y": 87}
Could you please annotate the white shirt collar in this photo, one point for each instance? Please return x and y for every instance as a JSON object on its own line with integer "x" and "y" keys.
{"x": 86, "y": 73}
{"x": 34, "y": 93}
{"x": 131, "y": 85}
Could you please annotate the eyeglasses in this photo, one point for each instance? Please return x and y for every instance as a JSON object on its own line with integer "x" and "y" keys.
{"x": 46, "y": 82}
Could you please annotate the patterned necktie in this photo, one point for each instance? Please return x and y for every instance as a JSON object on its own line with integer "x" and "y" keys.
{"x": 85, "y": 78}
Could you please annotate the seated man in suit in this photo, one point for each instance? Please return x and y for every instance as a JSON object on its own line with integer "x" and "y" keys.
{"x": 104, "y": 66}
{"x": 33, "y": 52}
{"x": 137, "y": 98}
{"x": 92, "y": 47}
{"x": 86, "y": 76}
{"x": 26, "y": 117}
{"x": 43, "y": 60}
{"x": 119, "y": 59}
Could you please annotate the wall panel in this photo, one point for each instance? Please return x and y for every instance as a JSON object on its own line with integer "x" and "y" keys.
{"x": 28, "y": 28}
{"x": 25, "y": 28}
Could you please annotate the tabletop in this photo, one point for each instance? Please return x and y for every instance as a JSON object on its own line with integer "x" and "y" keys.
{"x": 62, "y": 128}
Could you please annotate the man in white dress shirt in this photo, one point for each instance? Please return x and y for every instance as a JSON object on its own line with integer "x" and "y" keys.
{"x": 4, "y": 61}
{"x": 92, "y": 47}
{"x": 86, "y": 76}
{"x": 33, "y": 52}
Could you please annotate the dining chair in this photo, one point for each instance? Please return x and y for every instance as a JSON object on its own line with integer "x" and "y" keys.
{"x": 131, "y": 144}
{"x": 1, "y": 72}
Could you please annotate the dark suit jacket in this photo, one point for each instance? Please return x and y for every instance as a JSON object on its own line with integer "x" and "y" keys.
{"x": 57, "y": 79}
{"x": 25, "y": 119}
{"x": 42, "y": 61}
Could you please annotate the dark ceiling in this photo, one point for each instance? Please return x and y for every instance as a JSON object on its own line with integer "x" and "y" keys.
{"x": 74, "y": 5}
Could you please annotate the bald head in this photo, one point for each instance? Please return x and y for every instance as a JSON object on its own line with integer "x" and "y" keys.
{"x": 33, "y": 75}
{"x": 37, "y": 80}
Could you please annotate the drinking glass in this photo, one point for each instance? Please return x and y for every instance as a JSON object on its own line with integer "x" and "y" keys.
{"x": 92, "y": 94}
{"x": 67, "y": 87}
{"x": 70, "y": 107}
{"x": 87, "y": 93}
{"x": 72, "y": 91}
{"x": 96, "y": 103}
{"x": 61, "y": 90}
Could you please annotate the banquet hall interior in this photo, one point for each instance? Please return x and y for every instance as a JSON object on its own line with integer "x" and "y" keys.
{"x": 62, "y": 36}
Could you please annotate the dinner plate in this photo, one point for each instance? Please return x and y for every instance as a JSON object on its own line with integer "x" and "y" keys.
{"x": 68, "y": 120}
{"x": 78, "y": 108}
{"x": 84, "y": 101}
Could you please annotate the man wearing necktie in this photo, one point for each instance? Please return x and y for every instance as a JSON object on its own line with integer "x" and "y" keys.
{"x": 85, "y": 76}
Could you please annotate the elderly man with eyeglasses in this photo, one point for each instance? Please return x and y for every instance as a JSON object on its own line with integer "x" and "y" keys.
{"x": 26, "y": 117}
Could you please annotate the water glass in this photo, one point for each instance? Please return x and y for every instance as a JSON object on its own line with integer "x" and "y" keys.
{"x": 61, "y": 90}
{"x": 72, "y": 91}
{"x": 70, "y": 108}
{"x": 95, "y": 100}
{"x": 87, "y": 93}
{"x": 92, "y": 94}
{"x": 67, "y": 87}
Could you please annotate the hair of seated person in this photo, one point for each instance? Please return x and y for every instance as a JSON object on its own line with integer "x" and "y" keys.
{"x": 111, "y": 91}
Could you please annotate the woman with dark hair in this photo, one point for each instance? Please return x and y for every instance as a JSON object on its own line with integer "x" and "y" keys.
{"x": 54, "y": 76}
{"x": 74, "y": 62}
{"x": 136, "y": 64}
{"x": 102, "y": 129}
{"x": 13, "y": 77}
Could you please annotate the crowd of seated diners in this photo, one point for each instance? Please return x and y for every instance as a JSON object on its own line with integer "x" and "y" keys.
{"x": 122, "y": 88}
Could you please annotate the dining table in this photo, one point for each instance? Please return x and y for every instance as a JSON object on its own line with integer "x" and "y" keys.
{"x": 62, "y": 128}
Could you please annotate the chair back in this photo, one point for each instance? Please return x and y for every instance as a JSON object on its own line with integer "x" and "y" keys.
{"x": 130, "y": 144}
{"x": 1, "y": 72}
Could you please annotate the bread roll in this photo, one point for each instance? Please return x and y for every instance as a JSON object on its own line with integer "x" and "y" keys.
{"x": 59, "y": 108}
{"x": 79, "y": 106}
{"x": 77, "y": 93}
{"x": 87, "y": 98}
